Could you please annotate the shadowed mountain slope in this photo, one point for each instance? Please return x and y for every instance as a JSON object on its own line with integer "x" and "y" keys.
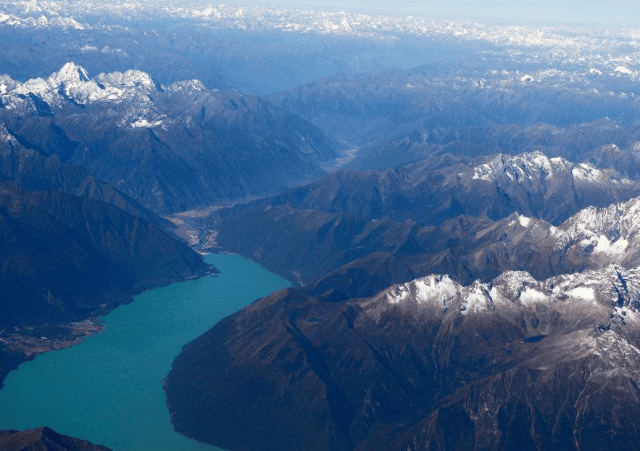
{"x": 512, "y": 364}
{"x": 72, "y": 248}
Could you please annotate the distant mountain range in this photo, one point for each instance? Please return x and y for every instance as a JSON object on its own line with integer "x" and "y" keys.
{"x": 254, "y": 50}
{"x": 171, "y": 148}
{"x": 263, "y": 50}
{"x": 393, "y": 117}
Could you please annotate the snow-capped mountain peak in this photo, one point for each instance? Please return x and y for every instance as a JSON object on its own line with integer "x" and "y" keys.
{"x": 187, "y": 86}
{"x": 7, "y": 84}
{"x": 614, "y": 230}
{"x": 72, "y": 84}
{"x": 518, "y": 168}
{"x": 536, "y": 167}
{"x": 438, "y": 289}
{"x": 528, "y": 166}
{"x": 69, "y": 73}
{"x": 129, "y": 79}
{"x": 610, "y": 291}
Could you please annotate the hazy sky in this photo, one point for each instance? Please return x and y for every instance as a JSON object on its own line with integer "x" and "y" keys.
{"x": 624, "y": 13}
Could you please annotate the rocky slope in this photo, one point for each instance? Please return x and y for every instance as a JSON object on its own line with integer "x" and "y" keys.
{"x": 625, "y": 161}
{"x": 169, "y": 147}
{"x": 469, "y": 249}
{"x": 513, "y": 364}
{"x": 434, "y": 190}
{"x": 43, "y": 439}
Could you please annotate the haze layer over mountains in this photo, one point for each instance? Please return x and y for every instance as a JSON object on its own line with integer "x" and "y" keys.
{"x": 455, "y": 201}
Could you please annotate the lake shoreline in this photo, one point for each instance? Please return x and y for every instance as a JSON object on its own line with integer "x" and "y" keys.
{"x": 121, "y": 369}
{"x": 22, "y": 344}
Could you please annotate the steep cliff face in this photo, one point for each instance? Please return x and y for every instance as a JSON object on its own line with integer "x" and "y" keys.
{"x": 67, "y": 257}
{"x": 513, "y": 364}
{"x": 44, "y": 439}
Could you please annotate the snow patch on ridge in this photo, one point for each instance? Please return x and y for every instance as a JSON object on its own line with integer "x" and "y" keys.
{"x": 519, "y": 290}
{"x": 187, "y": 86}
{"x": 143, "y": 123}
{"x": 478, "y": 299}
{"x": 531, "y": 296}
{"x": 605, "y": 246}
{"x": 129, "y": 79}
{"x": 585, "y": 293}
{"x": 435, "y": 289}
{"x": 612, "y": 231}
{"x": 525, "y": 221}
{"x": 538, "y": 168}
{"x": 623, "y": 70}
{"x": 519, "y": 168}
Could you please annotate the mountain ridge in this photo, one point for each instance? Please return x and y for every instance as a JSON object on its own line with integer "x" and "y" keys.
{"x": 172, "y": 148}
{"x": 427, "y": 215}
{"x": 421, "y": 354}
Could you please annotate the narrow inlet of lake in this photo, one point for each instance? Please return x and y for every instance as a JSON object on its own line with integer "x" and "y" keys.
{"x": 109, "y": 389}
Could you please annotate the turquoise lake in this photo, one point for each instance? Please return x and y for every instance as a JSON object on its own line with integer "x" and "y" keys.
{"x": 109, "y": 389}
